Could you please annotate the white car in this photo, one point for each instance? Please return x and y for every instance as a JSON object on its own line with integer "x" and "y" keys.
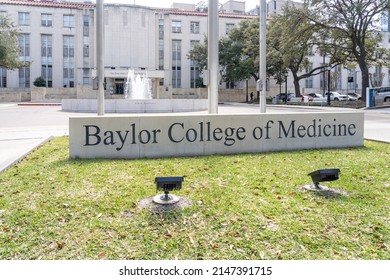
{"x": 316, "y": 97}
{"x": 335, "y": 96}
{"x": 382, "y": 94}
{"x": 353, "y": 96}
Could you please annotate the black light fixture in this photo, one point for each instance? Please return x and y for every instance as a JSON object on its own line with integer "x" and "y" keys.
{"x": 167, "y": 184}
{"x": 324, "y": 175}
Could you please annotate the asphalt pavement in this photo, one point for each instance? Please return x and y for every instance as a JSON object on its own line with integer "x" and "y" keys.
{"x": 25, "y": 127}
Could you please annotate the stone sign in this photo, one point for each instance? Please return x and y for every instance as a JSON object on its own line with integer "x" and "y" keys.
{"x": 152, "y": 136}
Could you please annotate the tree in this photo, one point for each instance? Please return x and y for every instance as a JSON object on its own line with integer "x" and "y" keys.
{"x": 246, "y": 34}
{"x": 9, "y": 49}
{"x": 199, "y": 54}
{"x": 232, "y": 68}
{"x": 350, "y": 29}
{"x": 290, "y": 37}
{"x": 39, "y": 82}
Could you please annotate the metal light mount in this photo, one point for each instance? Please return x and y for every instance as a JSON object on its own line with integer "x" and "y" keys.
{"x": 323, "y": 175}
{"x": 167, "y": 184}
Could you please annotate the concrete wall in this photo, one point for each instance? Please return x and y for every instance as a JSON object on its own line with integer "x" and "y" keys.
{"x": 136, "y": 105}
{"x": 15, "y": 95}
{"x": 39, "y": 94}
{"x": 224, "y": 95}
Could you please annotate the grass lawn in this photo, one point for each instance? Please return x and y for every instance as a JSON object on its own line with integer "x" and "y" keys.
{"x": 245, "y": 207}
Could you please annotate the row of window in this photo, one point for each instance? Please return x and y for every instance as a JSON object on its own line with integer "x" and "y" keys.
{"x": 46, "y": 60}
{"x": 47, "y": 20}
{"x": 47, "y": 50}
{"x": 194, "y": 27}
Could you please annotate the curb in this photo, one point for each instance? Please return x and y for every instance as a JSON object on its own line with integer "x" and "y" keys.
{"x": 39, "y": 104}
{"x": 6, "y": 165}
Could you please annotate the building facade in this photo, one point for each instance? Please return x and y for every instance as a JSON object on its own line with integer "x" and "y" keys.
{"x": 58, "y": 39}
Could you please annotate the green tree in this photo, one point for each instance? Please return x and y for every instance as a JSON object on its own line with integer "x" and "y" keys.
{"x": 350, "y": 32}
{"x": 9, "y": 49}
{"x": 232, "y": 68}
{"x": 40, "y": 82}
{"x": 246, "y": 35}
{"x": 290, "y": 39}
{"x": 199, "y": 54}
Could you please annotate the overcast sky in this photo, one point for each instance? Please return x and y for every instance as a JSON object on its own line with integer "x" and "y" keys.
{"x": 250, "y": 4}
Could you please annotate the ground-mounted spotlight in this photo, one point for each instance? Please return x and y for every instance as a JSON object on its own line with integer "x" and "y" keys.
{"x": 167, "y": 184}
{"x": 323, "y": 175}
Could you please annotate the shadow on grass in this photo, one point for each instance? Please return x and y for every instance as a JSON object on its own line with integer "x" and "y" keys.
{"x": 325, "y": 192}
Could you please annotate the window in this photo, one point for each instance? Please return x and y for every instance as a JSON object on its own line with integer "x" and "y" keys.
{"x": 86, "y": 47}
{"x": 229, "y": 27}
{"x": 3, "y": 15}
{"x": 85, "y": 25}
{"x": 24, "y": 46}
{"x": 161, "y": 44}
{"x": 46, "y": 20}
{"x": 338, "y": 77}
{"x": 68, "y": 20}
{"x": 3, "y": 77}
{"x": 309, "y": 81}
{"x": 85, "y": 76}
{"x": 194, "y": 27}
{"x": 24, "y": 19}
{"x": 47, "y": 59}
{"x": 24, "y": 77}
{"x": 176, "y": 26}
{"x": 176, "y": 63}
{"x": 194, "y": 79}
{"x": 68, "y": 56}
{"x": 24, "y": 72}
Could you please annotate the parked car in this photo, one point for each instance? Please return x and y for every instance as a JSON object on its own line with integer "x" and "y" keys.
{"x": 354, "y": 96}
{"x": 282, "y": 96}
{"x": 382, "y": 94}
{"x": 315, "y": 97}
{"x": 335, "y": 96}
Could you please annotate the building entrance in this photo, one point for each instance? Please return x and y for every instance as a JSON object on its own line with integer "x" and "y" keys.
{"x": 119, "y": 88}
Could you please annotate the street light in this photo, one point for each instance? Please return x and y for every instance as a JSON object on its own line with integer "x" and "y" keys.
{"x": 328, "y": 98}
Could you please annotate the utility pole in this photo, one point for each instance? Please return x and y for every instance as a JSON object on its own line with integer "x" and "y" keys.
{"x": 213, "y": 56}
{"x": 263, "y": 64}
{"x": 100, "y": 54}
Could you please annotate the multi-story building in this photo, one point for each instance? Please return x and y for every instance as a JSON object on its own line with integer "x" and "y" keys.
{"x": 58, "y": 39}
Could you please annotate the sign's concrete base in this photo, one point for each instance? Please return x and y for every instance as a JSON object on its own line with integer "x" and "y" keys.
{"x": 172, "y": 135}
{"x": 135, "y": 105}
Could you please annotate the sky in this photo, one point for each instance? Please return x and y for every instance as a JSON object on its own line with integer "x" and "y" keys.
{"x": 249, "y": 4}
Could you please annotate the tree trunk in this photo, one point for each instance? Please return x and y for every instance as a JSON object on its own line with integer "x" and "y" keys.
{"x": 297, "y": 88}
{"x": 365, "y": 79}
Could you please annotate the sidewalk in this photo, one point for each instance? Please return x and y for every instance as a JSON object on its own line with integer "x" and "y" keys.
{"x": 15, "y": 149}
{"x": 25, "y": 128}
